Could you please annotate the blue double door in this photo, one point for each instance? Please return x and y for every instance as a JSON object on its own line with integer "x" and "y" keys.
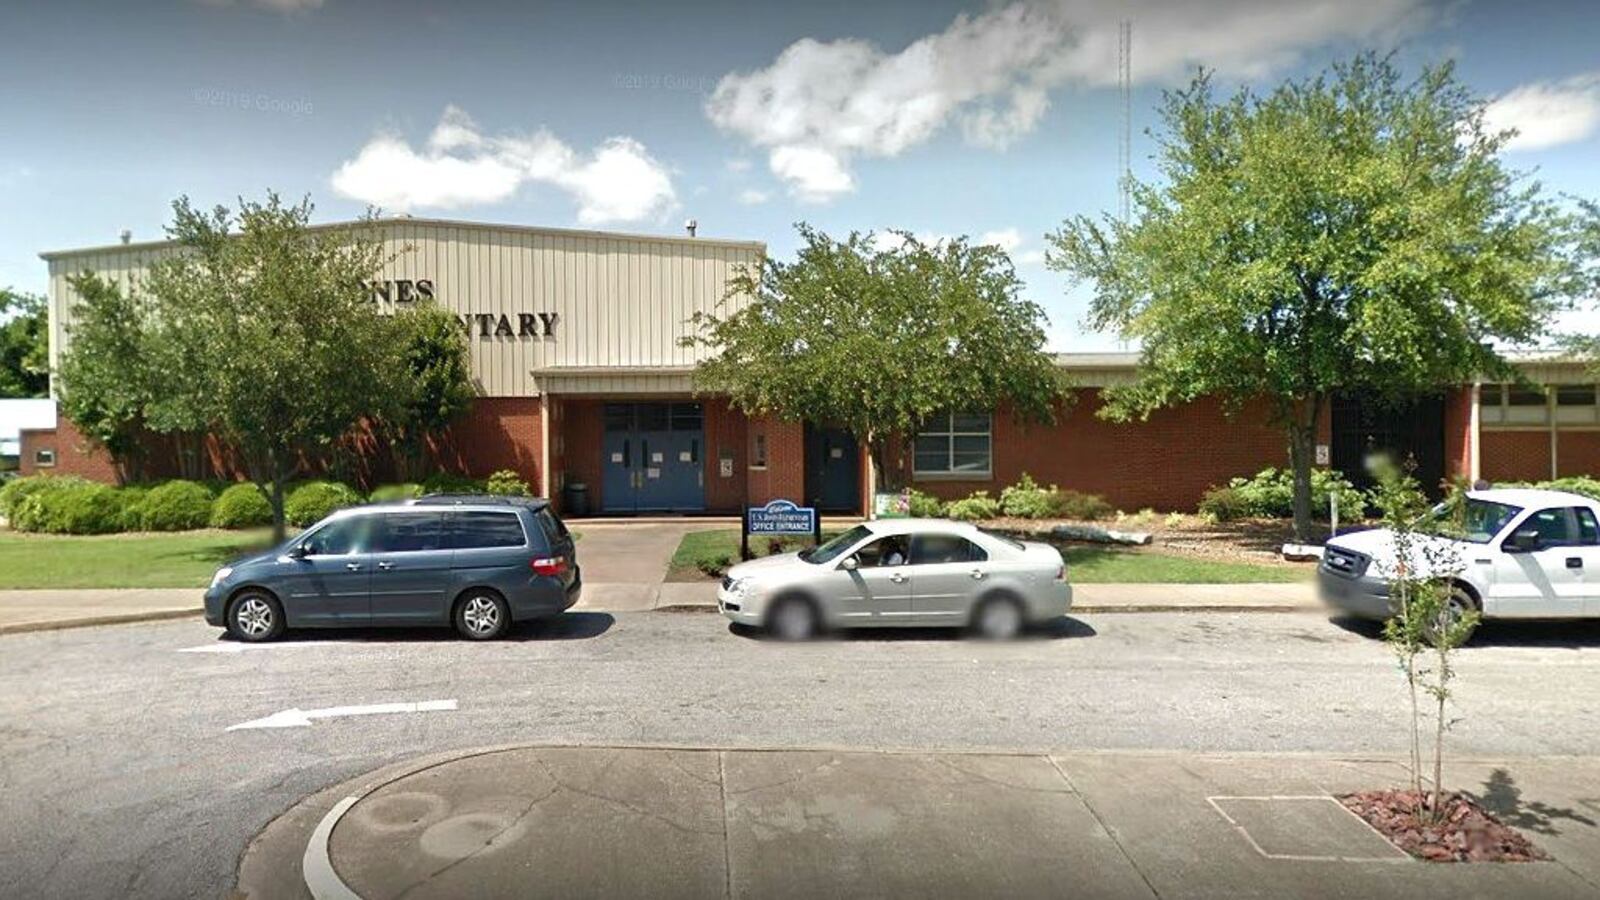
{"x": 653, "y": 458}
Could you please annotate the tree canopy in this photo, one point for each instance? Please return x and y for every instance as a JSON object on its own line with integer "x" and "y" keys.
{"x": 1349, "y": 231}
{"x": 877, "y": 336}
{"x": 24, "y": 345}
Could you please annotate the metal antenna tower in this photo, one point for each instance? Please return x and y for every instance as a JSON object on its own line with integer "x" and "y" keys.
{"x": 1125, "y": 133}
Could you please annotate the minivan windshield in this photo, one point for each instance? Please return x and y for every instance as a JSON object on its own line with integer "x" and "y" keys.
{"x": 830, "y": 550}
{"x": 1476, "y": 522}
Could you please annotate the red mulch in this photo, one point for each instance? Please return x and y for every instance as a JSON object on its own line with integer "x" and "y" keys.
{"x": 1467, "y": 832}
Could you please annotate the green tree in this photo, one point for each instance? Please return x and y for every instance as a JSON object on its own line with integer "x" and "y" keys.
{"x": 104, "y": 383}
{"x": 24, "y": 345}
{"x": 1350, "y": 231}
{"x": 878, "y": 339}
{"x": 280, "y": 332}
{"x": 435, "y": 378}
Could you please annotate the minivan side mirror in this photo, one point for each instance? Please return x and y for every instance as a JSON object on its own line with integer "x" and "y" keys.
{"x": 299, "y": 551}
{"x": 1523, "y": 540}
{"x": 849, "y": 564}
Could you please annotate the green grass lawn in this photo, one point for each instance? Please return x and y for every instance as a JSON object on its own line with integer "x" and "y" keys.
{"x": 180, "y": 559}
{"x": 1086, "y": 564}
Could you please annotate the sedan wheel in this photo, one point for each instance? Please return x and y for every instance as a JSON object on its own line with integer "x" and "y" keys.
{"x": 999, "y": 619}
{"x": 793, "y": 620}
{"x": 481, "y": 617}
{"x": 255, "y": 617}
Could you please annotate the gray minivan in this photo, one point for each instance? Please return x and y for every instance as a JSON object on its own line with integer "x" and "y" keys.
{"x": 478, "y": 563}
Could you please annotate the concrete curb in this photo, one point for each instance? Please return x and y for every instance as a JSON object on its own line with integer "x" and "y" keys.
{"x": 88, "y": 621}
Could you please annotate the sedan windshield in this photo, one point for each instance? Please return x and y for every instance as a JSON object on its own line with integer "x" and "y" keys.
{"x": 1476, "y": 521}
{"x": 830, "y": 550}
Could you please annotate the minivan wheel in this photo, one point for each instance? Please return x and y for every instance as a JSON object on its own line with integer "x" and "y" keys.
{"x": 998, "y": 619}
{"x": 255, "y": 616}
{"x": 793, "y": 619}
{"x": 482, "y": 616}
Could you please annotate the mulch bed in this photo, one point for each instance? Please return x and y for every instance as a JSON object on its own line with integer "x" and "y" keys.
{"x": 1467, "y": 833}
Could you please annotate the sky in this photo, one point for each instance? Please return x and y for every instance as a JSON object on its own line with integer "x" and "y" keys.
{"x": 995, "y": 120}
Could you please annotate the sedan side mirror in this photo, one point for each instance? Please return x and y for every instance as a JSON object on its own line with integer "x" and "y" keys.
{"x": 1525, "y": 540}
{"x": 849, "y": 564}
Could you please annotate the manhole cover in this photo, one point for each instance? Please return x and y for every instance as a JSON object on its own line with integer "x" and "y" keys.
{"x": 1305, "y": 828}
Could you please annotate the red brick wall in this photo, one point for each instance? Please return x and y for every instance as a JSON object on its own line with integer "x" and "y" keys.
{"x": 1166, "y": 462}
{"x": 1515, "y": 456}
{"x": 1458, "y": 433}
{"x": 785, "y": 474}
{"x": 75, "y": 454}
{"x": 1578, "y": 453}
{"x": 726, "y": 430}
{"x": 498, "y": 433}
{"x": 581, "y": 427}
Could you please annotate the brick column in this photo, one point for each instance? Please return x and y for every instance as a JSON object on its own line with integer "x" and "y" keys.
{"x": 785, "y": 472}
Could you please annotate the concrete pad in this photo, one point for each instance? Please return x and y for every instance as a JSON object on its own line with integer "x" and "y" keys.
{"x": 550, "y": 822}
{"x": 1157, "y": 808}
{"x": 628, "y": 552}
{"x": 613, "y": 597}
{"x": 1306, "y": 828}
{"x": 688, "y": 593}
{"x": 818, "y": 824}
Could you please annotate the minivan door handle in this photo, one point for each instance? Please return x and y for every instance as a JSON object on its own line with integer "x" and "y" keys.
{"x": 386, "y": 566}
{"x": 354, "y": 567}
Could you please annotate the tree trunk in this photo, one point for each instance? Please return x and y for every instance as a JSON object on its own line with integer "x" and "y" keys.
{"x": 1302, "y": 454}
{"x": 884, "y": 479}
{"x": 279, "y": 529}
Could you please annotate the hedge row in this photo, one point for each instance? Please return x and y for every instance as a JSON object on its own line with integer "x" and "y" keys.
{"x": 1024, "y": 500}
{"x": 66, "y": 504}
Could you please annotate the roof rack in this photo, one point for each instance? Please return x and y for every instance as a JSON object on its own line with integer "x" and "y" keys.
{"x": 534, "y": 503}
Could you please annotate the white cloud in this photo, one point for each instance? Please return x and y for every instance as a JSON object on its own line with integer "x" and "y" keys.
{"x": 821, "y": 105}
{"x": 1548, "y": 113}
{"x": 1007, "y": 239}
{"x": 738, "y": 165}
{"x": 753, "y": 197}
{"x": 461, "y": 166}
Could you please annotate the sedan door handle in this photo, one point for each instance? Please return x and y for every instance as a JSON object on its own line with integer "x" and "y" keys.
{"x": 1574, "y": 562}
{"x": 897, "y": 578}
{"x": 354, "y": 567}
{"x": 977, "y": 573}
{"x": 386, "y": 566}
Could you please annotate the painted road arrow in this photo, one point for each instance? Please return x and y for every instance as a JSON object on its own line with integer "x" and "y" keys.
{"x": 301, "y": 718}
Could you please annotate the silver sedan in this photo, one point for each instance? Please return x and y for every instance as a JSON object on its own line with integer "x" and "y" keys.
{"x": 901, "y": 572}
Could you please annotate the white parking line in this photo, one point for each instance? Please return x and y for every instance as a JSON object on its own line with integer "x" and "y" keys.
{"x": 302, "y": 718}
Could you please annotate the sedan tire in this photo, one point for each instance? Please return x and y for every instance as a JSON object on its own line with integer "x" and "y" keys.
{"x": 999, "y": 618}
{"x": 255, "y": 617}
{"x": 793, "y": 619}
{"x": 482, "y": 616}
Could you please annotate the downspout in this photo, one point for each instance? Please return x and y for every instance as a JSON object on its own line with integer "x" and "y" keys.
{"x": 1475, "y": 435}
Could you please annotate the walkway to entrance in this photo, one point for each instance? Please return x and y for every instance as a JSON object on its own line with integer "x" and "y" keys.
{"x": 625, "y": 563}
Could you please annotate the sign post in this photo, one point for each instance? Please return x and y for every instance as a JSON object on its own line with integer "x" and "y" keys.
{"x": 778, "y": 517}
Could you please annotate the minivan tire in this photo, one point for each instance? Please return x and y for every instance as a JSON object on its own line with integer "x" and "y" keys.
{"x": 482, "y": 615}
{"x": 255, "y": 616}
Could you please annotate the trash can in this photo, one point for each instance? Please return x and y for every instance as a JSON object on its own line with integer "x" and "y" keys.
{"x": 575, "y": 500}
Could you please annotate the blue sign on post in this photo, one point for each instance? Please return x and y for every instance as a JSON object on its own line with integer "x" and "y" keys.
{"x": 778, "y": 517}
{"x": 782, "y": 517}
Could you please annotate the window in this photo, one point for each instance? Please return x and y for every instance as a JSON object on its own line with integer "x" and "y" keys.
{"x": 758, "y": 455}
{"x": 1477, "y": 522}
{"x": 341, "y": 537}
{"x": 409, "y": 532}
{"x": 1588, "y": 528}
{"x": 955, "y": 444}
{"x": 890, "y": 551}
{"x": 1553, "y": 525}
{"x": 1575, "y": 404}
{"x": 1526, "y": 406}
{"x": 933, "y": 549}
{"x": 44, "y": 458}
{"x": 478, "y": 530}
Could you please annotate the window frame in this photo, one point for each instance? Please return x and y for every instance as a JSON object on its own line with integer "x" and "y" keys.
{"x": 947, "y": 431}
{"x": 44, "y": 458}
{"x": 453, "y": 523}
{"x": 972, "y": 547}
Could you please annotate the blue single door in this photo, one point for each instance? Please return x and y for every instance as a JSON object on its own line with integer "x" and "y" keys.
{"x": 620, "y": 469}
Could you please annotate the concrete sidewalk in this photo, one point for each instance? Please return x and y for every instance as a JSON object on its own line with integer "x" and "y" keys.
{"x": 42, "y": 610}
{"x": 706, "y": 822}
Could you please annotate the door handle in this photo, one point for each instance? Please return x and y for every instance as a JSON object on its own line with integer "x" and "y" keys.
{"x": 386, "y": 566}
{"x": 897, "y": 578}
{"x": 977, "y": 573}
{"x": 354, "y": 567}
{"x": 1574, "y": 562}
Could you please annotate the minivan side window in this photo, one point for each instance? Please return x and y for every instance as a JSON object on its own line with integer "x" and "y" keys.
{"x": 340, "y": 538}
{"x": 475, "y": 530}
{"x": 409, "y": 532}
{"x": 554, "y": 530}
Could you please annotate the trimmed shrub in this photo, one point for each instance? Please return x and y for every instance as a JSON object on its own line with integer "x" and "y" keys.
{"x": 1577, "y": 484}
{"x": 1270, "y": 494}
{"x": 506, "y": 482}
{"x": 389, "y": 493}
{"x": 131, "y": 499}
{"x": 1081, "y": 506}
{"x": 13, "y": 492}
{"x": 72, "y": 507}
{"x": 924, "y": 506}
{"x": 976, "y": 506}
{"x": 176, "y": 506}
{"x": 1224, "y": 504}
{"x": 241, "y": 506}
{"x": 1027, "y": 500}
{"x": 313, "y": 501}
{"x": 451, "y": 483}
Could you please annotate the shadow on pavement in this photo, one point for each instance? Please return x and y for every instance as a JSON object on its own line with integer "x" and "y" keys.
{"x": 1572, "y": 634}
{"x": 1056, "y": 629}
{"x": 570, "y": 626}
{"x": 1501, "y": 796}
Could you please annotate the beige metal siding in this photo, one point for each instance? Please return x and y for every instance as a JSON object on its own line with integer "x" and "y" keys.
{"x": 621, "y": 300}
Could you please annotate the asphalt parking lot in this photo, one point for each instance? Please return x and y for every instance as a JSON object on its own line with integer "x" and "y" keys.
{"x": 121, "y": 776}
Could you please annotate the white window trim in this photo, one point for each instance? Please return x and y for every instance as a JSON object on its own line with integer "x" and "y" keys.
{"x": 951, "y": 474}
